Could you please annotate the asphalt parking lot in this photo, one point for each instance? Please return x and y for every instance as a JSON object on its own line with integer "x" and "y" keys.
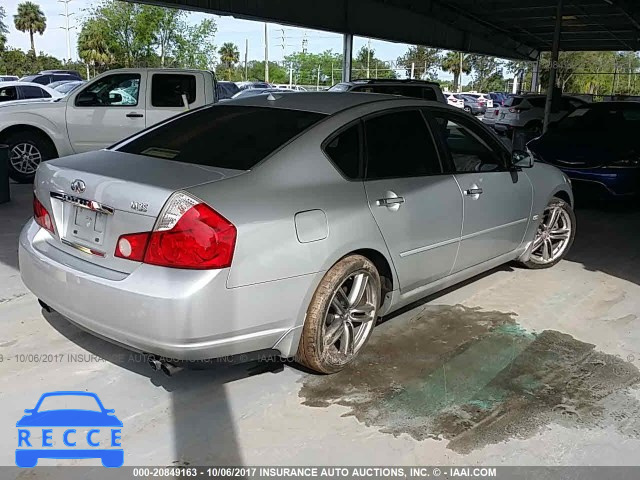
{"x": 516, "y": 367}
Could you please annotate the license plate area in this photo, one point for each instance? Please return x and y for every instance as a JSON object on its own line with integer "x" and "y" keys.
{"x": 87, "y": 225}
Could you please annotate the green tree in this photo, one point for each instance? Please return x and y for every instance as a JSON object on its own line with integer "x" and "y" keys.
{"x": 451, "y": 63}
{"x": 229, "y": 56}
{"x": 255, "y": 72}
{"x": 307, "y": 68}
{"x": 93, "y": 47}
{"x": 487, "y": 72}
{"x": 367, "y": 65}
{"x": 30, "y": 19}
{"x": 194, "y": 46}
{"x": 423, "y": 59}
{"x": 3, "y": 29}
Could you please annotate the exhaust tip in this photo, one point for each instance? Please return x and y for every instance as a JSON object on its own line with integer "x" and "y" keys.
{"x": 169, "y": 369}
{"x": 154, "y": 363}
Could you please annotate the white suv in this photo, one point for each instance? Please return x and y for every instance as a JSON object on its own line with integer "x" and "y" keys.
{"x": 527, "y": 111}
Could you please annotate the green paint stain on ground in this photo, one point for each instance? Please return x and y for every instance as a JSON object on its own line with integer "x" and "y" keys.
{"x": 475, "y": 377}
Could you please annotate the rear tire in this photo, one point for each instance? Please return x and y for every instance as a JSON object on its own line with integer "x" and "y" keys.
{"x": 467, "y": 109}
{"x": 341, "y": 315}
{"x": 27, "y": 150}
{"x": 554, "y": 237}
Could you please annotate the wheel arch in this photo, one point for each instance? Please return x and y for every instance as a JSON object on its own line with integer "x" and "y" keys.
{"x": 563, "y": 195}
{"x": 20, "y": 128}
{"x": 382, "y": 265}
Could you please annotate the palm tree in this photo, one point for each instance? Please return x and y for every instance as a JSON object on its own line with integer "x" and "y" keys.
{"x": 30, "y": 19}
{"x": 451, "y": 63}
{"x": 229, "y": 56}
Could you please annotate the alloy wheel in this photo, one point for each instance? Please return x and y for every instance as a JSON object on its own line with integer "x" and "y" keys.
{"x": 553, "y": 235}
{"x": 350, "y": 317}
{"x": 25, "y": 158}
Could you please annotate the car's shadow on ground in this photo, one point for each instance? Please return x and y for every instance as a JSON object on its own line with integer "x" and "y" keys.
{"x": 204, "y": 431}
{"x": 607, "y": 236}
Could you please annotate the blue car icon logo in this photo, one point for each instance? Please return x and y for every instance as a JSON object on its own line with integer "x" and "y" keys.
{"x": 87, "y": 430}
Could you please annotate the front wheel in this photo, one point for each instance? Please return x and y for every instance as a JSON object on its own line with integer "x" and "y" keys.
{"x": 341, "y": 315}
{"x": 554, "y": 236}
{"x": 26, "y": 151}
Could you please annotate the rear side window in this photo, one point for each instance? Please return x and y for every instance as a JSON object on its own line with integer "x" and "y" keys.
{"x": 537, "y": 102}
{"x": 513, "y": 101}
{"x": 224, "y": 136}
{"x": 8, "y": 93}
{"x": 344, "y": 152}
{"x": 399, "y": 145}
{"x": 33, "y": 92}
{"x": 167, "y": 89}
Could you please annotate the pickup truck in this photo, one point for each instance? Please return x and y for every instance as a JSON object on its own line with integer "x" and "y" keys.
{"x": 112, "y": 106}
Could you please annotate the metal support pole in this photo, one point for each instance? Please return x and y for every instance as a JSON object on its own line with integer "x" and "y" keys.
{"x": 535, "y": 76}
{"x": 347, "y": 53}
{"x": 555, "y": 50}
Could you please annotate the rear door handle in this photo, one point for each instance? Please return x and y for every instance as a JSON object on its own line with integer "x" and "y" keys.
{"x": 134, "y": 115}
{"x": 389, "y": 201}
{"x": 473, "y": 191}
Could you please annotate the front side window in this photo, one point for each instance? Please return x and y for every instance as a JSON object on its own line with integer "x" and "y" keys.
{"x": 224, "y": 136}
{"x": 170, "y": 90}
{"x": 399, "y": 145}
{"x": 33, "y": 92}
{"x": 8, "y": 94}
{"x": 467, "y": 150}
{"x": 344, "y": 152}
{"x": 116, "y": 90}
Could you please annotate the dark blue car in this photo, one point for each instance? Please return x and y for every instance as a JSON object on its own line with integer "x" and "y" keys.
{"x": 45, "y": 419}
{"x": 597, "y": 145}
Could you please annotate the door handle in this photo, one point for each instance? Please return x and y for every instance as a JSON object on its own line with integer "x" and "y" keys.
{"x": 473, "y": 191}
{"x": 134, "y": 115}
{"x": 389, "y": 201}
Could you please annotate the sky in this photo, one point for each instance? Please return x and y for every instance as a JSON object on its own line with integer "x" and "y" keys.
{"x": 230, "y": 29}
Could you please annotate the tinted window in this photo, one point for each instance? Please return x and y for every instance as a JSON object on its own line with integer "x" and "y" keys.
{"x": 344, "y": 152}
{"x": 28, "y": 78}
{"x": 167, "y": 90}
{"x": 339, "y": 87}
{"x": 120, "y": 89}
{"x": 537, "y": 102}
{"x": 468, "y": 152}
{"x": 414, "y": 91}
{"x": 8, "y": 93}
{"x": 513, "y": 101}
{"x": 399, "y": 145}
{"x": 223, "y": 136}
{"x": 33, "y": 92}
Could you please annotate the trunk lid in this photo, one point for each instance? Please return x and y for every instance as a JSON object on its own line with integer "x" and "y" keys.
{"x": 95, "y": 197}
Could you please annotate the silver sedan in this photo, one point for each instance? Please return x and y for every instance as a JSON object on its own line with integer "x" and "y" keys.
{"x": 285, "y": 223}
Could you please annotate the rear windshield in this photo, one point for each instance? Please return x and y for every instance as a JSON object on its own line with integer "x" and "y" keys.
{"x": 235, "y": 137}
{"x": 513, "y": 101}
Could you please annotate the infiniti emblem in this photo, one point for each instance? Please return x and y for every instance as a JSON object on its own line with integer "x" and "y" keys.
{"x": 78, "y": 186}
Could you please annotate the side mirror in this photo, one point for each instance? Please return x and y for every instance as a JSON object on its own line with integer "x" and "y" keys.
{"x": 521, "y": 159}
{"x": 86, "y": 99}
{"x": 115, "y": 98}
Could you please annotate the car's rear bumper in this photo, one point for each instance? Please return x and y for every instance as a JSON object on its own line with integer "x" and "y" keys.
{"x": 615, "y": 181}
{"x": 174, "y": 313}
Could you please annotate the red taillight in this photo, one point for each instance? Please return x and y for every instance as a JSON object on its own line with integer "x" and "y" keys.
{"x": 132, "y": 246}
{"x": 188, "y": 235}
{"x": 41, "y": 215}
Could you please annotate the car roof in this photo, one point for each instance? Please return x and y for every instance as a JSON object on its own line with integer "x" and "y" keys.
{"x": 394, "y": 81}
{"x": 328, "y": 103}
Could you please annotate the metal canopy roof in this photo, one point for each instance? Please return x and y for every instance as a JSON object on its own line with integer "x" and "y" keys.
{"x": 504, "y": 28}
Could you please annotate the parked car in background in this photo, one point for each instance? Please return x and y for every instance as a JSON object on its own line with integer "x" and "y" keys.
{"x": 66, "y": 87}
{"x": 50, "y": 76}
{"x": 527, "y": 111}
{"x": 454, "y": 101}
{"x": 251, "y": 92}
{"x": 285, "y": 86}
{"x": 112, "y": 106}
{"x": 473, "y": 105}
{"x": 406, "y": 88}
{"x": 491, "y": 116}
{"x": 248, "y": 85}
{"x": 498, "y": 98}
{"x": 226, "y": 90}
{"x": 483, "y": 97}
{"x": 8, "y": 78}
{"x": 367, "y": 193}
{"x": 596, "y": 145}
{"x": 13, "y": 91}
